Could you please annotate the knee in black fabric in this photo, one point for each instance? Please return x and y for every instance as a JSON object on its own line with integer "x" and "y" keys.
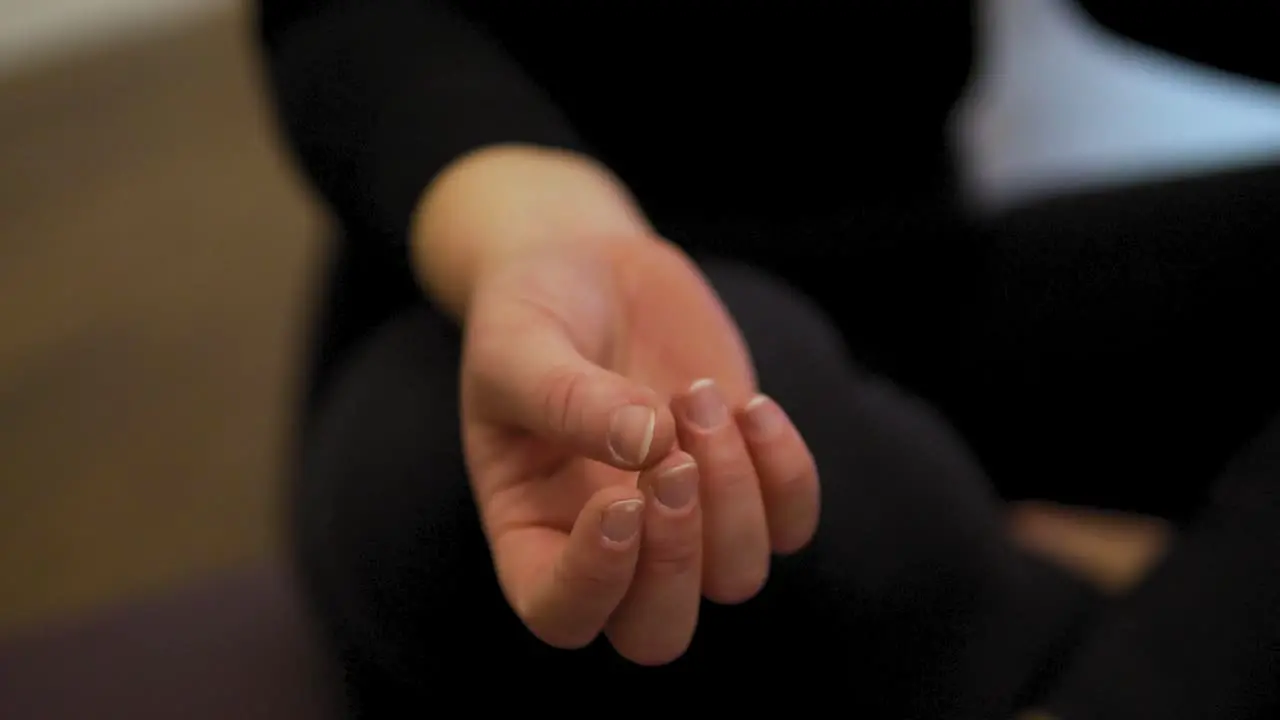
{"x": 909, "y": 521}
{"x": 851, "y": 419}
{"x": 793, "y": 344}
{"x": 387, "y": 533}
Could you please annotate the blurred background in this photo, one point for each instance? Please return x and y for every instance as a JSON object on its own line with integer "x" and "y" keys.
{"x": 155, "y": 253}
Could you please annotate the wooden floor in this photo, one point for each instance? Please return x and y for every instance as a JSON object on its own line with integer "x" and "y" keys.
{"x": 155, "y": 257}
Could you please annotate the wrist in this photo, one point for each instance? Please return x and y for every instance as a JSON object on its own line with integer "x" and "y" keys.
{"x": 500, "y": 202}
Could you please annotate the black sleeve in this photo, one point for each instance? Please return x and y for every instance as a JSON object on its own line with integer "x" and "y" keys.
{"x": 376, "y": 96}
{"x": 1233, "y": 35}
{"x": 1201, "y": 638}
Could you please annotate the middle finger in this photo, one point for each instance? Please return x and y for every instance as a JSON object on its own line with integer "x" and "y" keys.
{"x": 654, "y": 624}
{"x": 735, "y": 531}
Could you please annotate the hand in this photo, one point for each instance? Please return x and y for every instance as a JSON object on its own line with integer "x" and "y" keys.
{"x": 575, "y": 358}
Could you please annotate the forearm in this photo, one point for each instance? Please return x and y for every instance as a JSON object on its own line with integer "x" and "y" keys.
{"x": 504, "y": 200}
{"x": 376, "y": 99}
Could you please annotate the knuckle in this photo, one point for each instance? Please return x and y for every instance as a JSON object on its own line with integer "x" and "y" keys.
{"x": 732, "y": 474}
{"x": 598, "y": 579}
{"x": 561, "y": 390}
{"x": 671, "y": 557}
{"x": 592, "y": 580}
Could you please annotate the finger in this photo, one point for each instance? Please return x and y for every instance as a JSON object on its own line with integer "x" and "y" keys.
{"x": 538, "y": 381}
{"x": 735, "y": 551}
{"x": 565, "y": 588}
{"x": 788, "y": 477}
{"x": 1114, "y": 551}
{"x": 655, "y": 622}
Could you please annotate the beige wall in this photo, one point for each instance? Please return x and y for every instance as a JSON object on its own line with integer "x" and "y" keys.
{"x": 34, "y": 31}
{"x": 155, "y": 263}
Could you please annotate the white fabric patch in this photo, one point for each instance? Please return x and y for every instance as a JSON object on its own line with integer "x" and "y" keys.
{"x": 1060, "y": 104}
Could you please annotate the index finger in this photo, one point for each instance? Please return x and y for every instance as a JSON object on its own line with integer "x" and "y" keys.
{"x": 565, "y": 587}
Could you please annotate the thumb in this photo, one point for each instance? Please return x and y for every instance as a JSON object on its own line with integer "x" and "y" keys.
{"x": 539, "y": 382}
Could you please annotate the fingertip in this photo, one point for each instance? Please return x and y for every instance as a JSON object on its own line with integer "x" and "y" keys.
{"x": 762, "y": 420}
{"x": 630, "y": 436}
{"x": 735, "y": 589}
{"x": 794, "y": 508}
{"x": 702, "y": 407}
{"x": 639, "y": 434}
{"x": 618, "y": 512}
{"x": 663, "y": 440}
{"x": 674, "y": 460}
{"x": 610, "y": 494}
{"x": 652, "y": 655}
{"x": 620, "y": 522}
{"x": 792, "y": 542}
{"x": 672, "y": 484}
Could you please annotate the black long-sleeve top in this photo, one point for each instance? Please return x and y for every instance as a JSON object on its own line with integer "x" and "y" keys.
{"x": 740, "y": 109}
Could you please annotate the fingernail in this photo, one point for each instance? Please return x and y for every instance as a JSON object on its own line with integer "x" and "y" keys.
{"x": 631, "y": 433}
{"x": 763, "y": 418}
{"x": 621, "y": 520}
{"x": 703, "y": 406}
{"x": 677, "y": 487}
